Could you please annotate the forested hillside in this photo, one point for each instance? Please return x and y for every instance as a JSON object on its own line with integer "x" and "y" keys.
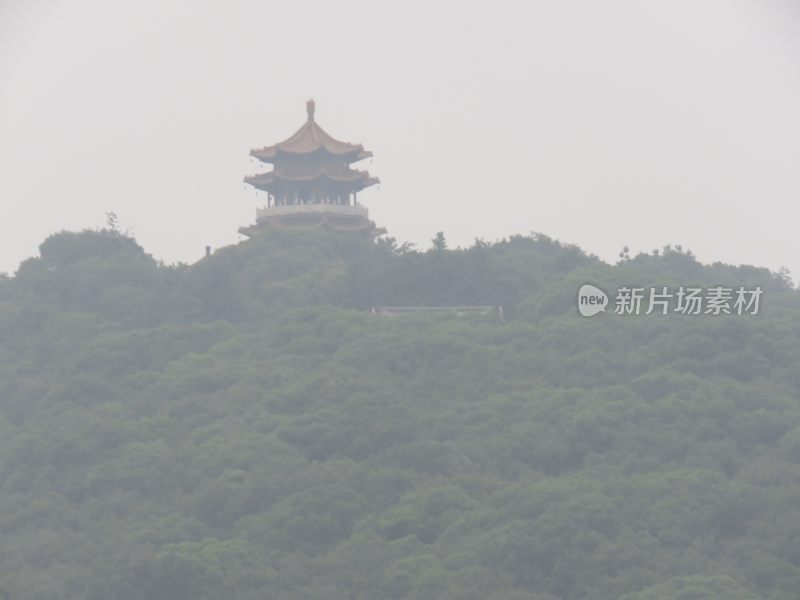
{"x": 244, "y": 428}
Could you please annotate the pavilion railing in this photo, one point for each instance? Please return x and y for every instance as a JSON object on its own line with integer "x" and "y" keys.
{"x": 311, "y": 209}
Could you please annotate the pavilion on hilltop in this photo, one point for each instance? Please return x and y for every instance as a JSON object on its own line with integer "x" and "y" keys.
{"x": 311, "y": 182}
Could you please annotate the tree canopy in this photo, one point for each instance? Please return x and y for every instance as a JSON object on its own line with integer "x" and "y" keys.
{"x": 246, "y": 428}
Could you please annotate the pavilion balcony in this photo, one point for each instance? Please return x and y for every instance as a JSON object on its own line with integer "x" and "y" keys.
{"x": 311, "y": 209}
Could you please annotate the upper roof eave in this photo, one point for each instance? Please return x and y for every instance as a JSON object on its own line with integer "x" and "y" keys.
{"x": 311, "y": 138}
{"x": 268, "y": 154}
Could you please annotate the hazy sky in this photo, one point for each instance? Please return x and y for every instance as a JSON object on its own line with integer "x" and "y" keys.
{"x": 624, "y": 122}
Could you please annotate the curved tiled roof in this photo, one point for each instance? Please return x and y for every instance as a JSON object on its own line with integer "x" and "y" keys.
{"x": 311, "y": 138}
{"x": 333, "y": 173}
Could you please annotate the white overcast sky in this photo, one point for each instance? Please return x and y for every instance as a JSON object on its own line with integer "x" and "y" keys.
{"x": 623, "y": 122}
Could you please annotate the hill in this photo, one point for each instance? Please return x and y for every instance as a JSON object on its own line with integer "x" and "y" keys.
{"x": 245, "y": 428}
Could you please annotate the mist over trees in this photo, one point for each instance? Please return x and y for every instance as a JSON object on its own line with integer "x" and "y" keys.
{"x": 245, "y": 428}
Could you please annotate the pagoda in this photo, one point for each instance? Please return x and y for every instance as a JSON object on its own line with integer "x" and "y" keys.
{"x": 311, "y": 182}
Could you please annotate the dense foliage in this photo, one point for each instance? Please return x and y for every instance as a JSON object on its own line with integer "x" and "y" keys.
{"x": 245, "y": 428}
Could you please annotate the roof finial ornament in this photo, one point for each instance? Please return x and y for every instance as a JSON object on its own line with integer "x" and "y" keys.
{"x": 310, "y": 109}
